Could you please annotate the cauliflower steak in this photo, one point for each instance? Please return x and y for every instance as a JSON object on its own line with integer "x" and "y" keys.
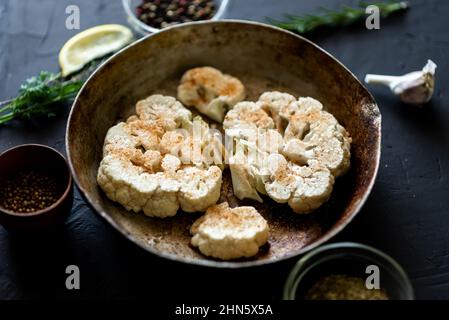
{"x": 141, "y": 167}
{"x": 229, "y": 233}
{"x": 210, "y": 91}
{"x": 289, "y": 149}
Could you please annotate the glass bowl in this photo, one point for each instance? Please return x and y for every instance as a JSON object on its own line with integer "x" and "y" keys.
{"x": 143, "y": 29}
{"x": 350, "y": 259}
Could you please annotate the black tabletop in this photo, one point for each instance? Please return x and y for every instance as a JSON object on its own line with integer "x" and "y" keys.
{"x": 407, "y": 214}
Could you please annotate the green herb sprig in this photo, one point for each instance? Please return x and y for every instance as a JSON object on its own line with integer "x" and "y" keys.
{"x": 38, "y": 95}
{"x": 343, "y": 17}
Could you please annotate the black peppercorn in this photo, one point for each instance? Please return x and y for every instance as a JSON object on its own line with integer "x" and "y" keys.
{"x": 162, "y": 13}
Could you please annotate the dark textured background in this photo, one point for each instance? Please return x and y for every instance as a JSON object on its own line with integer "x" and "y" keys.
{"x": 407, "y": 214}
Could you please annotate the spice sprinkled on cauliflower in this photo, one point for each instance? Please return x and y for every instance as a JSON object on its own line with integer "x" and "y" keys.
{"x": 230, "y": 233}
{"x": 211, "y": 92}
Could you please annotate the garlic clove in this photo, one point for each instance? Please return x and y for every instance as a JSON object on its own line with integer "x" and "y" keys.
{"x": 414, "y": 88}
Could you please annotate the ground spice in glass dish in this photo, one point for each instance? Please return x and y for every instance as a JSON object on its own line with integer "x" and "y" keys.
{"x": 341, "y": 287}
{"x": 28, "y": 191}
{"x": 163, "y": 13}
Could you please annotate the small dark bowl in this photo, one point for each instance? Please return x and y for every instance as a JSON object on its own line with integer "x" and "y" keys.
{"x": 349, "y": 259}
{"x": 33, "y": 156}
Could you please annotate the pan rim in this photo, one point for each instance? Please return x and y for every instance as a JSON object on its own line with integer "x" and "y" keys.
{"x": 216, "y": 263}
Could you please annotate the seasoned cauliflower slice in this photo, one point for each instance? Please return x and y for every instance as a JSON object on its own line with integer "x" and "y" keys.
{"x": 299, "y": 163}
{"x": 210, "y": 91}
{"x": 310, "y": 132}
{"x": 135, "y": 189}
{"x": 226, "y": 233}
{"x": 140, "y": 170}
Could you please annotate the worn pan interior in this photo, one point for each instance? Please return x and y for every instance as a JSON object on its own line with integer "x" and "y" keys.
{"x": 264, "y": 58}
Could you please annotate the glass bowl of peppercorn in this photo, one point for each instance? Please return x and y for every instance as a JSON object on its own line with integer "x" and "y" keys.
{"x": 35, "y": 188}
{"x": 149, "y": 16}
{"x": 347, "y": 271}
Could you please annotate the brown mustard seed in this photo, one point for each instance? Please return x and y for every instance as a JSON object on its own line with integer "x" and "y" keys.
{"x": 162, "y": 13}
{"x": 341, "y": 287}
{"x": 29, "y": 191}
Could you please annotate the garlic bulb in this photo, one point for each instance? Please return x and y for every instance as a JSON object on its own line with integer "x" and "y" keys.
{"x": 413, "y": 88}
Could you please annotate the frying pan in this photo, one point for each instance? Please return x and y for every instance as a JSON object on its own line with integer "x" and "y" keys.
{"x": 264, "y": 58}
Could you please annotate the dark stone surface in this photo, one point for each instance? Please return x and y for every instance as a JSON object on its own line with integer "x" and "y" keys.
{"x": 407, "y": 214}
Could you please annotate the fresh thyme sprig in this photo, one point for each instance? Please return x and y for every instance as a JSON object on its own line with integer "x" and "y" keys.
{"x": 345, "y": 16}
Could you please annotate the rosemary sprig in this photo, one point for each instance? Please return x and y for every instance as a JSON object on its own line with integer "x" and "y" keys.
{"x": 345, "y": 16}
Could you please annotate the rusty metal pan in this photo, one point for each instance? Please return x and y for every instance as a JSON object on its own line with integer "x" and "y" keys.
{"x": 265, "y": 58}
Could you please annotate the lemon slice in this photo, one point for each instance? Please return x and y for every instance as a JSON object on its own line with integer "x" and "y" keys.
{"x": 91, "y": 44}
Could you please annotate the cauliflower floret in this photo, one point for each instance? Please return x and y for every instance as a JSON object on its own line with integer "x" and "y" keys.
{"x": 274, "y": 102}
{"x": 147, "y": 133}
{"x": 140, "y": 171}
{"x": 244, "y": 120}
{"x": 119, "y": 137}
{"x": 210, "y": 91}
{"x": 199, "y": 188}
{"x": 166, "y": 111}
{"x": 281, "y": 183}
{"x": 163, "y": 202}
{"x": 298, "y": 151}
{"x": 244, "y": 181}
{"x": 177, "y": 143}
{"x": 226, "y": 233}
